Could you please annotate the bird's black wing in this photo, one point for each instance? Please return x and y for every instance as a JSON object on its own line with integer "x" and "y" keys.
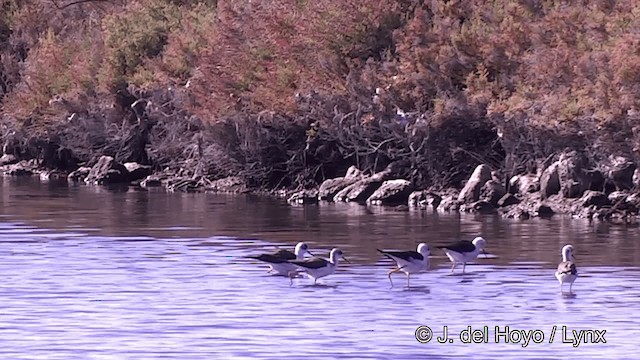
{"x": 461, "y": 246}
{"x": 404, "y": 255}
{"x": 313, "y": 263}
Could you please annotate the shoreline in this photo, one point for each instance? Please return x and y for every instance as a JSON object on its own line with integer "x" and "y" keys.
{"x": 559, "y": 189}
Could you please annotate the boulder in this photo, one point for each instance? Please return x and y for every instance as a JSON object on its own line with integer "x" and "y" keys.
{"x": 572, "y": 172}
{"x": 471, "y": 191}
{"x": 79, "y": 174}
{"x": 107, "y": 171}
{"x": 231, "y": 184}
{"x": 480, "y": 206}
{"x": 636, "y": 178}
{"x": 8, "y": 159}
{"x": 137, "y": 171}
{"x": 22, "y": 168}
{"x": 550, "y": 180}
{"x": 391, "y": 192}
{"x": 450, "y": 203}
{"x": 524, "y": 184}
{"x": 418, "y": 198}
{"x": 363, "y": 188}
{"x": 543, "y": 210}
{"x": 329, "y": 188}
{"x": 151, "y": 181}
{"x": 620, "y": 172}
{"x": 594, "y": 198}
{"x": 491, "y": 192}
{"x": 353, "y": 173}
{"x": 508, "y": 200}
{"x": 304, "y": 197}
{"x": 359, "y": 191}
{"x": 617, "y": 196}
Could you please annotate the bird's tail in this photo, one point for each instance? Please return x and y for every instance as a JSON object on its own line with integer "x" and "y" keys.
{"x": 384, "y": 253}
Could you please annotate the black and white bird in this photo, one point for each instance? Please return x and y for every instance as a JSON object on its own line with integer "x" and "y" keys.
{"x": 464, "y": 251}
{"x": 279, "y": 261}
{"x": 567, "y": 271}
{"x": 317, "y": 267}
{"x": 408, "y": 262}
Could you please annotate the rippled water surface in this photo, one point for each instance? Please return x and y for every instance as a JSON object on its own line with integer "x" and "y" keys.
{"x": 96, "y": 273}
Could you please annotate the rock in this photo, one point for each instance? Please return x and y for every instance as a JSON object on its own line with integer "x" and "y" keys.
{"x": 483, "y": 206}
{"x": 137, "y": 171}
{"x": 8, "y": 159}
{"x": 543, "y": 210}
{"x": 471, "y": 191}
{"x": 151, "y": 181}
{"x": 524, "y": 184}
{"x": 22, "y": 168}
{"x": 329, "y": 188}
{"x": 79, "y": 174}
{"x": 594, "y": 198}
{"x": 508, "y": 200}
{"x": 450, "y": 203}
{"x": 363, "y": 188}
{"x": 359, "y": 191}
{"x": 418, "y": 198}
{"x": 492, "y": 191}
{"x": 354, "y": 173}
{"x": 107, "y": 171}
{"x": 572, "y": 174}
{"x": 433, "y": 199}
{"x": 391, "y": 192}
{"x": 617, "y": 196}
{"x": 46, "y": 175}
{"x": 550, "y": 180}
{"x": 636, "y": 178}
{"x": 304, "y": 197}
{"x": 231, "y": 184}
{"x": 621, "y": 172}
{"x": 183, "y": 185}
{"x": 595, "y": 178}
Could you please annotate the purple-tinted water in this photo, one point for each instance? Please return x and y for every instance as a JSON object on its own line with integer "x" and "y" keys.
{"x": 92, "y": 273}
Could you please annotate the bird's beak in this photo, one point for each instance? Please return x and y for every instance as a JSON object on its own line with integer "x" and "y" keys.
{"x": 309, "y": 252}
{"x": 345, "y": 259}
{"x": 573, "y": 256}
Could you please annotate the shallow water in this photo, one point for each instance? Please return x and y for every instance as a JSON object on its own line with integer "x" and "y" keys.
{"x": 95, "y": 273}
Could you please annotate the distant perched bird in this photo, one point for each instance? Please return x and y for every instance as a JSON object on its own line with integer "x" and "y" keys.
{"x": 317, "y": 267}
{"x": 464, "y": 251}
{"x": 279, "y": 261}
{"x": 408, "y": 262}
{"x": 567, "y": 271}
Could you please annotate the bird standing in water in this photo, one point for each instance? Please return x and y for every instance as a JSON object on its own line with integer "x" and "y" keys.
{"x": 567, "y": 271}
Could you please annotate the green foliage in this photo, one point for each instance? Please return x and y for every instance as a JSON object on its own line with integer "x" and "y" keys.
{"x": 140, "y": 33}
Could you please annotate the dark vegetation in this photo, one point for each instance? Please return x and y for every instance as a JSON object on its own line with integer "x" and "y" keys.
{"x": 288, "y": 93}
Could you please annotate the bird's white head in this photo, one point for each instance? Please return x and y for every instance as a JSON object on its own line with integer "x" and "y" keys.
{"x": 567, "y": 253}
{"x": 424, "y": 250}
{"x": 301, "y": 249}
{"x": 336, "y": 255}
{"x": 479, "y": 243}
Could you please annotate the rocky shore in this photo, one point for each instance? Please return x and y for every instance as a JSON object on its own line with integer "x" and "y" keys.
{"x": 567, "y": 185}
{"x": 570, "y": 185}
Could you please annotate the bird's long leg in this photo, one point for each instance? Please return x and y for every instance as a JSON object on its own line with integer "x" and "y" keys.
{"x": 464, "y": 265}
{"x": 453, "y": 267}
{"x": 570, "y": 286}
{"x": 315, "y": 281}
{"x": 391, "y": 272}
{"x": 292, "y": 274}
{"x": 408, "y": 278}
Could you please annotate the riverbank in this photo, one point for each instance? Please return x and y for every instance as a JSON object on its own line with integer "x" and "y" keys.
{"x": 568, "y": 185}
